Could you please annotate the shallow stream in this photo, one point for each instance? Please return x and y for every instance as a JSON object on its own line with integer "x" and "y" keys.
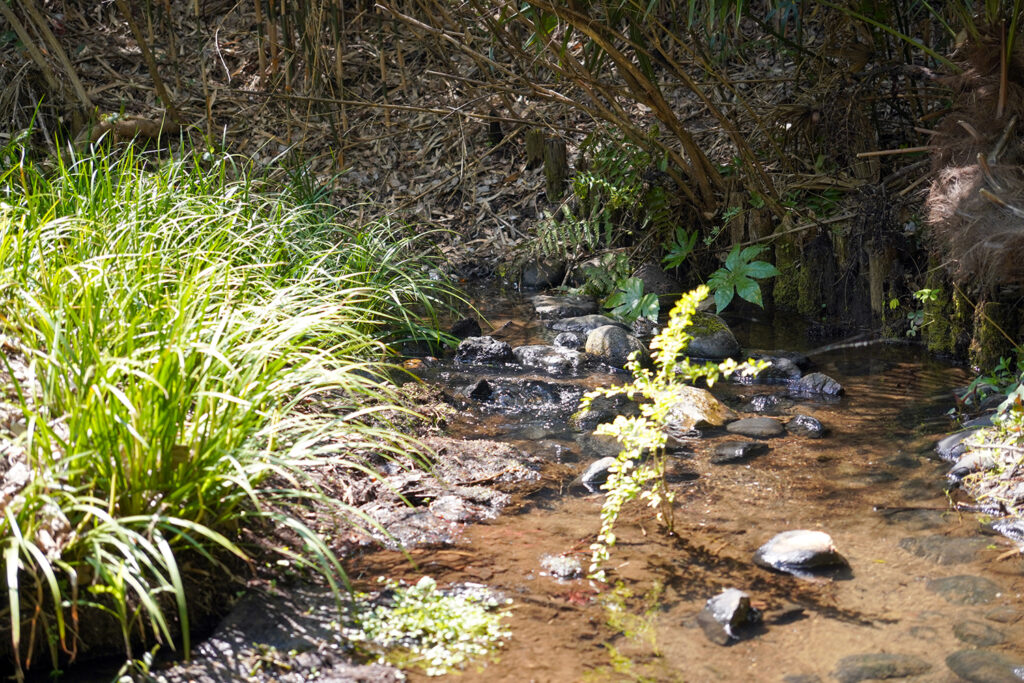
{"x": 874, "y": 484}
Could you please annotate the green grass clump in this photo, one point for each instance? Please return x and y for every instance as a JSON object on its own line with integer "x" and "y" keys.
{"x": 169, "y": 331}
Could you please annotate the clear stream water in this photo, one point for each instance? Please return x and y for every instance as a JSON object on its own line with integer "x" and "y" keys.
{"x": 874, "y": 484}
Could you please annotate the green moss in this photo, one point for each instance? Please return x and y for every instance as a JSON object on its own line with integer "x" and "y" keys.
{"x": 938, "y": 329}
{"x": 785, "y": 286}
{"x": 989, "y": 343}
{"x": 705, "y": 324}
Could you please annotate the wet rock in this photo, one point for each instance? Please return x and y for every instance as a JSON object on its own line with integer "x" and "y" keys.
{"x": 300, "y": 621}
{"x": 767, "y": 404}
{"x": 553, "y": 360}
{"x": 779, "y": 371}
{"x": 483, "y": 350}
{"x": 613, "y": 345}
{"x": 583, "y": 324}
{"x": 978, "y": 633}
{"x": 467, "y": 327}
{"x": 693, "y": 407}
{"x": 981, "y": 666}
{"x": 463, "y": 461}
{"x": 595, "y": 475}
{"x": 799, "y": 552}
{"x": 816, "y": 384}
{"x": 807, "y": 426}
{"x": 726, "y": 614}
{"x": 644, "y": 328}
{"x": 480, "y": 390}
{"x": 657, "y": 281}
{"x": 952, "y": 448}
{"x": 965, "y": 589}
{"x": 756, "y": 427}
{"x": 1012, "y": 528}
{"x": 801, "y": 678}
{"x": 730, "y": 452}
{"x": 1003, "y": 615}
{"x": 550, "y": 307}
{"x": 542, "y": 273}
{"x": 526, "y": 396}
{"x": 712, "y": 338}
{"x": 944, "y": 550}
{"x": 564, "y": 567}
{"x": 969, "y": 463}
{"x": 602, "y": 409}
{"x": 879, "y": 666}
{"x": 570, "y": 340}
{"x": 799, "y": 359}
{"x": 915, "y": 519}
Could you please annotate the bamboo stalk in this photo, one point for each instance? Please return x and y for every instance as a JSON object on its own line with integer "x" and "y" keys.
{"x": 147, "y": 56}
{"x": 887, "y": 152}
{"x": 30, "y": 47}
{"x": 51, "y": 41}
{"x": 261, "y": 57}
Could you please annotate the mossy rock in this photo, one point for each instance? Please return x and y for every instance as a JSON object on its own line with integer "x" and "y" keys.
{"x": 712, "y": 338}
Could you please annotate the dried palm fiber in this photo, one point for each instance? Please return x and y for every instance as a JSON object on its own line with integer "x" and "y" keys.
{"x": 976, "y": 204}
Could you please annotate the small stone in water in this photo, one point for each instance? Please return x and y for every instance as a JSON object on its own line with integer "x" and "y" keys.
{"x": 965, "y": 589}
{"x": 569, "y": 340}
{"x": 595, "y": 475}
{"x": 805, "y": 425}
{"x": 978, "y": 633}
{"x": 797, "y": 551}
{"x": 878, "y": 666}
{"x": 725, "y": 614}
{"x": 816, "y": 384}
{"x": 737, "y": 451}
{"x": 980, "y": 666}
{"x": 483, "y": 350}
{"x": 756, "y": 427}
{"x": 563, "y": 567}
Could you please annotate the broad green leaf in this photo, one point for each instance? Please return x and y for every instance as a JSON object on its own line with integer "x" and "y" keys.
{"x": 733, "y": 259}
{"x": 760, "y": 269}
{"x": 749, "y": 289}
{"x": 751, "y": 252}
{"x": 722, "y": 298}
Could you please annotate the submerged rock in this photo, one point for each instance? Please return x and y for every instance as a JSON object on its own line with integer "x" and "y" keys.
{"x": 550, "y": 307}
{"x": 799, "y": 552}
{"x": 816, "y": 384}
{"x": 726, "y": 614}
{"x": 965, "y": 589}
{"x": 553, "y": 360}
{"x": 981, "y": 666}
{"x": 730, "y": 452}
{"x": 978, "y": 633}
{"x": 583, "y": 324}
{"x": 712, "y": 338}
{"x": 779, "y": 371}
{"x": 756, "y": 427}
{"x": 879, "y": 666}
{"x": 943, "y": 550}
{"x": 483, "y": 350}
{"x": 613, "y": 345}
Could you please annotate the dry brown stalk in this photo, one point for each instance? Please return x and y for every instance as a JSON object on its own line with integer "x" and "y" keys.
{"x": 147, "y": 56}
{"x": 43, "y": 26}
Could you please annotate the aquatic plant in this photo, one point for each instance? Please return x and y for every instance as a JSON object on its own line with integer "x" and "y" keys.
{"x": 425, "y": 627}
{"x": 640, "y": 468}
{"x": 176, "y": 333}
